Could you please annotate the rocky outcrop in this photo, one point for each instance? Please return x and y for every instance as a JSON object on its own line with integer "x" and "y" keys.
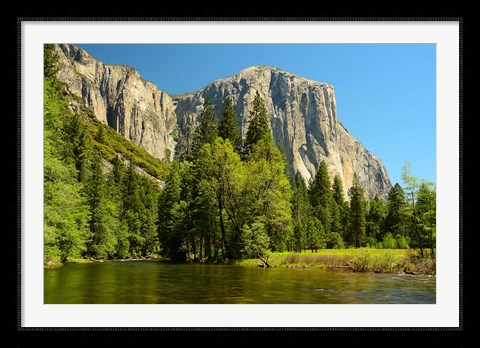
{"x": 119, "y": 97}
{"x": 303, "y": 119}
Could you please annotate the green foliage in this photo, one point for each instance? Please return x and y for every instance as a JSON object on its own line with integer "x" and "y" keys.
{"x": 268, "y": 191}
{"x": 228, "y": 127}
{"x": 259, "y": 126}
{"x": 362, "y": 260}
{"x": 206, "y": 130}
{"x": 221, "y": 174}
{"x": 334, "y": 241}
{"x": 50, "y": 59}
{"x": 173, "y": 213}
{"x": 402, "y": 242}
{"x": 256, "y": 240}
{"x": 315, "y": 235}
{"x": 395, "y": 207}
{"x": 100, "y": 137}
{"x": 320, "y": 195}
{"x": 389, "y": 242}
{"x": 340, "y": 209}
{"x": 420, "y": 211}
{"x": 375, "y": 218}
{"x": 301, "y": 212}
{"x": 357, "y": 212}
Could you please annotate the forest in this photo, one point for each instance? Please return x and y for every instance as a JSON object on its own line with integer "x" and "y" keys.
{"x": 224, "y": 198}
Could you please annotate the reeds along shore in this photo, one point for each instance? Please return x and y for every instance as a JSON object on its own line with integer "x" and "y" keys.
{"x": 355, "y": 260}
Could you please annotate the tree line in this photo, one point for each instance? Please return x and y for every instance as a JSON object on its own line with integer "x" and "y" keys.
{"x": 225, "y": 197}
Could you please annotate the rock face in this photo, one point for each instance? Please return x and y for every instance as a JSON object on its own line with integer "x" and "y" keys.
{"x": 119, "y": 97}
{"x": 303, "y": 120}
{"x": 302, "y": 112}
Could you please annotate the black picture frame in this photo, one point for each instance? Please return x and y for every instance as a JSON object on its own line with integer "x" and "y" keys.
{"x": 464, "y": 336}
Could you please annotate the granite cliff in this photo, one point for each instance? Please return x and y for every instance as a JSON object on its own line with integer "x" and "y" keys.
{"x": 121, "y": 98}
{"x": 302, "y": 112}
{"x": 303, "y": 119}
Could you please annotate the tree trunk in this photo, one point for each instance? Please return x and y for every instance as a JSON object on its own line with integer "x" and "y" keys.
{"x": 263, "y": 260}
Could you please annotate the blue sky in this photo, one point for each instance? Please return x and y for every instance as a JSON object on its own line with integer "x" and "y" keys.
{"x": 385, "y": 92}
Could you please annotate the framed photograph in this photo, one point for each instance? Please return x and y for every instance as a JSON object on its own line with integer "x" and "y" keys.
{"x": 133, "y": 216}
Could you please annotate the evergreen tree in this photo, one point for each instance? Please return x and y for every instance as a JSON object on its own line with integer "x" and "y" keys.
{"x": 426, "y": 207}
{"x": 395, "y": 208}
{"x": 100, "y": 136}
{"x": 50, "y": 61}
{"x": 78, "y": 146}
{"x": 206, "y": 130}
{"x": 259, "y": 124}
{"x": 301, "y": 211}
{"x": 102, "y": 223}
{"x": 171, "y": 217}
{"x": 118, "y": 172}
{"x": 375, "y": 218}
{"x": 315, "y": 234}
{"x": 320, "y": 196}
{"x": 357, "y": 212}
{"x": 228, "y": 127}
{"x": 131, "y": 209}
{"x": 341, "y": 209}
{"x": 411, "y": 186}
{"x": 148, "y": 213}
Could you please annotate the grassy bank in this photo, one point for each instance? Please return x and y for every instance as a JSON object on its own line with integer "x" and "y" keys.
{"x": 356, "y": 260}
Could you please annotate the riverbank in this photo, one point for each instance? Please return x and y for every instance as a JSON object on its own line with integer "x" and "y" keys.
{"x": 352, "y": 260}
{"x": 349, "y": 260}
{"x": 54, "y": 264}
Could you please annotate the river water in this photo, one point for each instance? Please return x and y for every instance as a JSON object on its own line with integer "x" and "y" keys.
{"x": 153, "y": 282}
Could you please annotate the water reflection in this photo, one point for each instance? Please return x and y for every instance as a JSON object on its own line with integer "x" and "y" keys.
{"x": 157, "y": 282}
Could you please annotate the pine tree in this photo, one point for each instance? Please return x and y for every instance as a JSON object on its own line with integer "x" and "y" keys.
{"x": 357, "y": 212}
{"x": 411, "y": 186}
{"x": 301, "y": 211}
{"x": 148, "y": 213}
{"x": 131, "y": 207}
{"x": 375, "y": 219}
{"x": 175, "y": 212}
{"x": 206, "y": 130}
{"x": 102, "y": 222}
{"x": 426, "y": 207}
{"x": 78, "y": 145}
{"x": 50, "y": 61}
{"x": 259, "y": 124}
{"x": 228, "y": 127}
{"x": 395, "y": 207}
{"x": 100, "y": 136}
{"x": 341, "y": 208}
{"x": 320, "y": 196}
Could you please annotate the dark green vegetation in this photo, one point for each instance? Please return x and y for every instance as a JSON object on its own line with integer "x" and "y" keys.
{"x": 222, "y": 200}
{"x": 146, "y": 282}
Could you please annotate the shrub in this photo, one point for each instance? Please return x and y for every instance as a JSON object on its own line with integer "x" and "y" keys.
{"x": 371, "y": 242}
{"x": 389, "y": 242}
{"x": 361, "y": 262}
{"x": 334, "y": 241}
{"x": 402, "y": 242}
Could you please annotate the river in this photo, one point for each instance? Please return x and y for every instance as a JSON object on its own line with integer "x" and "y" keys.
{"x": 152, "y": 282}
